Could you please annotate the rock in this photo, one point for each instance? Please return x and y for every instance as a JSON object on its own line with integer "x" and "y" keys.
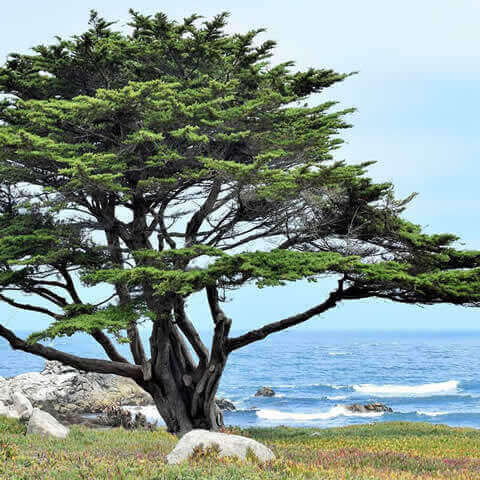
{"x": 229, "y": 445}
{"x": 42, "y": 423}
{"x": 59, "y": 388}
{"x": 12, "y": 413}
{"x": 22, "y": 405}
{"x": 5, "y": 393}
{"x": 3, "y": 409}
{"x": 369, "y": 407}
{"x": 265, "y": 392}
{"x": 225, "y": 405}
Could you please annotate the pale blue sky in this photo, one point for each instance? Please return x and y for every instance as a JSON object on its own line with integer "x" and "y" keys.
{"x": 418, "y": 100}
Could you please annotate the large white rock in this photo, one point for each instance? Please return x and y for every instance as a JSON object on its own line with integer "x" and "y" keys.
{"x": 22, "y": 405}
{"x": 8, "y": 411}
{"x": 43, "y": 423}
{"x": 230, "y": 446}
{"x": 62, "y": 388}
{"x": 3, "y": 409}
{"x": 5, "y": 393}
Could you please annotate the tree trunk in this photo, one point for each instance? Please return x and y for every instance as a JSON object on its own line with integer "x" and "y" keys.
{"x": 178, "y": 416}
{"x": 183, "y": 391}
{"x": 184, "y": 410}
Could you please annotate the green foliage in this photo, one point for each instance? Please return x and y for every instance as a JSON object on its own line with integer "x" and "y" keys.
{"x": 113, "y": 319}
{"x": 179, "y": 140}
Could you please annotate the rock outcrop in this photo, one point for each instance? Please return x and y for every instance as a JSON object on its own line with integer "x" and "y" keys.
{"x": 42, "y": 423}
{"x": 225, "y": 405}
{"x": 265, "y": 392}
{"x": 369, "y": 407}
{"x": 22, "y": 406}
{"x": 62, "y": 389}
{"x": 228, "y": 445}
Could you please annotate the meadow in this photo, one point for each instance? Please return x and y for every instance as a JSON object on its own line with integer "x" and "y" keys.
{"x": 367, "y": 452}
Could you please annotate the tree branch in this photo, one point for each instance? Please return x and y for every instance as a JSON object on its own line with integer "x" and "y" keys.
{"x": 108, "y": 346}
{"x": 261, "y": 333}
{"x": 86, "y": 364}
{"x": 199, "y": 216}
{"x": 187, "y": 328}
{"x": 31, "y": 308}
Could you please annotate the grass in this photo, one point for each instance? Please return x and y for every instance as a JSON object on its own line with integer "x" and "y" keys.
{"x": 368, "y": 452}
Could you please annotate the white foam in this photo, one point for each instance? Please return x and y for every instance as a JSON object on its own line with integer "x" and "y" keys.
{"x": 337, "y": 397}
{"x": 407, "y": 390}
{"x": 334, "y": 412}
{"x": 335, "y": 354}
{"x": 431, "y": 414}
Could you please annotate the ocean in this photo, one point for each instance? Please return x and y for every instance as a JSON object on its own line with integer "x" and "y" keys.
{"x": 423, "y": 376}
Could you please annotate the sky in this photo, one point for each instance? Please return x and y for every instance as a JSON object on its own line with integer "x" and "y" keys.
{"x": 417, "y": 97}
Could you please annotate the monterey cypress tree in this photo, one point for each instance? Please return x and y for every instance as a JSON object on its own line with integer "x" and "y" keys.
{"x": 177, "y": 159}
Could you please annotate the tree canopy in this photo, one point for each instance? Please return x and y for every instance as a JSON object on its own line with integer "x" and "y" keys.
{"x": 128, "y": 157}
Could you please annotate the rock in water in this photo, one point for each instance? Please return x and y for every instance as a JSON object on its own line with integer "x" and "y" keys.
{"x": 369, "y": 407}
{"x": 265, "y": 392}
{"x": 229, "y": 445}
{"x": 22, "y": 405}
{"x": 225, "y": 405}
{"x": 42, "y": 423}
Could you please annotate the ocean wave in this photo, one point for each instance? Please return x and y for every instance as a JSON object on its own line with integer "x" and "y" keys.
{"x": 336, "y": 354}
{"x": 334, "y": 412}
{"x": 308, "y": 385}
{"x": 336, "y": 397}
{"x": 408, "y": 390}
{"x": 431, "y": 414}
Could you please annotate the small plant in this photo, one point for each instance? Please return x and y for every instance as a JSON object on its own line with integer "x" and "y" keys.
{"x": 201, "y": 453}
{"x": 8, "y": 451}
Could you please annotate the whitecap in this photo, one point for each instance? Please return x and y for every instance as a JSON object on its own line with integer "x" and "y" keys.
{"x": 336, "y": 354}
{"x": 431, "y": 414}
{"x": 407, "y": 390}
{"x": 334, "y": 412}
{"x": 337, "y": 397}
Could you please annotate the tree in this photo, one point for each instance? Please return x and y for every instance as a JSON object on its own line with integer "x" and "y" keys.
{"x": 127, "y": 157}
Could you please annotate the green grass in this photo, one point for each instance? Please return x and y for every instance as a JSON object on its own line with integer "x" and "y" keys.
{"x": 382, "y": 451}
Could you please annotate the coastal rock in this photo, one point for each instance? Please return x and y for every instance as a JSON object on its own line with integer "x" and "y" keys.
{"x": 42, "y": 423}
{"x": 3, "y": 409}
{"x": 5, "y": 392}
{"x": 225, "y": 405}
{"x": 22, "y": 405}
{"x": 369, "y": 407}
{"x": 229, "y": 446}
{"x": 63, "y": 389}
{"x": 265, "y": 392}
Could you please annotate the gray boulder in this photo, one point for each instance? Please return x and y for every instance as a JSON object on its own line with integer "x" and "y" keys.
{"x": 3, "y": 409}
{"x": 8, "y": 411}
{"x": 63, "y": 389}
{"x": 229, "y": 445}
{"x": 265, "y": 392}
{"x": 42, "y": 423}
{"x": 22, "y": 405}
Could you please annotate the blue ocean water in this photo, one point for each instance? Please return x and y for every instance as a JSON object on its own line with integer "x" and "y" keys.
{"x": 424, "y": 376}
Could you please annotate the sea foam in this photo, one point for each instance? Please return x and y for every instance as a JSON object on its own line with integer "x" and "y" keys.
{"x": 334, "y": 412}
{"x": 407, "y": 390}
{"x": 431, "y": 414}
